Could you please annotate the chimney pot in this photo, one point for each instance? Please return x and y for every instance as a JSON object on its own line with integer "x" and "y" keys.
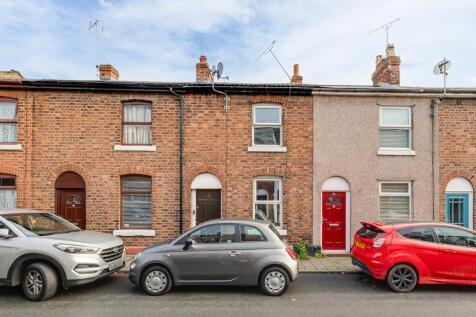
{"x": 108, "y": 72}
{"x": 296, "y": 79}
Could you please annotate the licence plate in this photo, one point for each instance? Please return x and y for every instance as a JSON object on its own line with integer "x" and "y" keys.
{"x": 360, "y": 244}
{"x": 115, "y": 265}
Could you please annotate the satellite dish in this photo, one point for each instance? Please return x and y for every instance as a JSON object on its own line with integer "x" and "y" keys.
{"x": 442, "y": 67}
{"x": 219, "y": 70}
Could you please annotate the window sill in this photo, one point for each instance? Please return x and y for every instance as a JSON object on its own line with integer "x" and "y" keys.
{"x": 134, "y": 233}
{"x": 10, "y": 147}
{"x": 267, "y": 148}
{"x": 137, "y": 148}
{"x": 397, "y": 152}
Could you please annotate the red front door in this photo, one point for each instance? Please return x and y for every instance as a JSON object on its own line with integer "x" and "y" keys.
{"x": 70, "y": 206}
{"x": 333, "y": 220}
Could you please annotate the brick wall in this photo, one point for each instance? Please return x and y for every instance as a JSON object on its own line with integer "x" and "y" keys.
{"x": 76, "y": 131}
{"x": 457, "y": 144}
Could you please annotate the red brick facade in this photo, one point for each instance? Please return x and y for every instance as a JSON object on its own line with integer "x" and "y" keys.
{"x": 457, "y": 145}
{"x": 66, "y": 130}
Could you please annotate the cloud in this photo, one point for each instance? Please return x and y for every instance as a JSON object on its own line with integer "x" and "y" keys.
{"x": 161, "y": 40}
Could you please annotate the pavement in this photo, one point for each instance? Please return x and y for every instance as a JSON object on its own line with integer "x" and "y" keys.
{"x": 311, "y": 295}
{"x": 326, "y": 264}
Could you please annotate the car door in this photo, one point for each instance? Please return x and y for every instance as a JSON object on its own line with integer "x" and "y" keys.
{"x": 457, "y": 253}
{"x": 8, "y": 249}
{"x": 213, "y": 256}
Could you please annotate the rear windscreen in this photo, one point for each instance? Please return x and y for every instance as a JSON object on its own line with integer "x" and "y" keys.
{"x": 368, "y": 231}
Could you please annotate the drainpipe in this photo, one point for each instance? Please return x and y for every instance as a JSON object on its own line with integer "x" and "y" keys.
{"x": 181, "y": 136}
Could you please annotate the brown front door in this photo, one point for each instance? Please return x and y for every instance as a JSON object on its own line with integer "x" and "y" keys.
{"x": 71, "y": 206}
{"x": 208, "y": 204}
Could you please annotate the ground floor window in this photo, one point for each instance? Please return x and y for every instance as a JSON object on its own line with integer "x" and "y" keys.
{"x": 136, "y": 201}
{"x": 267, "y": 200}
{"x": 8, "y": 192}
{"x": 395, "y": 201}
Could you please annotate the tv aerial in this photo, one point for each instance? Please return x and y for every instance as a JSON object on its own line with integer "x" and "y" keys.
{"x": 97, "y": 26}
{"x": 441, "y": 68}
{"x": 269, "y": 50}
{"x": 385, "y": 27}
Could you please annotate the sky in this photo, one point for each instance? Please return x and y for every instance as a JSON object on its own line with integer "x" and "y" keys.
{"x": 161, "y": 40}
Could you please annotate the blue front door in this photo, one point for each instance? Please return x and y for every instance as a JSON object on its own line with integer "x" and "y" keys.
{"x": 457, "y": 209}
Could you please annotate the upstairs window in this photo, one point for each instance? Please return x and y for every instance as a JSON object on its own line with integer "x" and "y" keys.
{"x": 395, "y": 201}
{"x": 137, "y": 124}
{"x": 395, "y": 128}
{"x": 8, "y": 122}
{"x": 267, "y": 127}
{"x": 136, "y": 201}
{"x": 8, "y": 192}
{"x": 268, "y": 201}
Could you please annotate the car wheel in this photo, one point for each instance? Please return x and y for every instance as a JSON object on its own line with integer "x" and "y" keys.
{"x": 274, "y": 281}
{"x": 402, "y": 278}
{"x": 156, "y": 281}
{"x": 39, "y": 282}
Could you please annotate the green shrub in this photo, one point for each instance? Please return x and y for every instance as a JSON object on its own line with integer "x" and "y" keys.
{"x": 301, "y": 250}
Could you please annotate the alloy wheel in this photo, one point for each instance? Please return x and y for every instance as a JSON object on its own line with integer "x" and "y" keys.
{"x": 275, "y": 281}
{"x": 403, "y": 279}
{"x": 156, "y": 281}
{"x": 34, "y": 283}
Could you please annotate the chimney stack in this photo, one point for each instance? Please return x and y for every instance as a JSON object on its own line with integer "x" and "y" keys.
{"x": 387, "y": 70}
{"x": 108, "y": 72}
{"x": 296, "y": 79}
{"x": 202, "y": 70}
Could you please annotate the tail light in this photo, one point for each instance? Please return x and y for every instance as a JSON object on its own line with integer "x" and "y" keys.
{"x": 379, "y": 242}
{"x": 290, "y": 251}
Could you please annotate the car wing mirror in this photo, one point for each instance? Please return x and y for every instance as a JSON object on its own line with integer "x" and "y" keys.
{"x": 188, "y": 243}
{"x": 5, "y": 234}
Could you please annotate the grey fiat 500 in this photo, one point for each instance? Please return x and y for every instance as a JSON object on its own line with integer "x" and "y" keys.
{"x": 218, "y": 252}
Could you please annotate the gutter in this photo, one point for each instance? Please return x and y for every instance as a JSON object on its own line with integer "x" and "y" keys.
{"x": 393, "y": 94}
{"x": 181, "y": 137}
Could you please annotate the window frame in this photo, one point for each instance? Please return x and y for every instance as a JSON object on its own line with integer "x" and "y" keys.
{"x": 269, "y": 202}
{"x": 267, "y": 124}
{"x": 122, "y": 226}
{"x": 145, "y": 123}
{"x": 409, "y": 195}
{"x": 10, "y": 121}
{"x": 14, "y": 187}
{"x": 408, "y": 127}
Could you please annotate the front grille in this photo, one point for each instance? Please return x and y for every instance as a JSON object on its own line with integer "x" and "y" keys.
{"x": 112, "y": 254}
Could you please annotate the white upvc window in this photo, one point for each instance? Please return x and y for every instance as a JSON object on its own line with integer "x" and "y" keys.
{"x": 268, "y": 200}
{"x": 267, "y": 125}
{"x": 8, "y": 191}
{"x": 395, "y": 201}
{"x": 395, "y": 128}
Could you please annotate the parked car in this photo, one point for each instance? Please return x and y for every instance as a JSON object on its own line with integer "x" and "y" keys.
{"x": 218, "y": 252}
{"x": 41, "y": 251}
{"x": 408, "y": 254}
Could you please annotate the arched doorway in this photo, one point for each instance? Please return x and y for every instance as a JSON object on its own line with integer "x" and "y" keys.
{"x": 71, "y": 198}
{"x": 335, "y": 226}
{"x": 206, "y": 198}
{"x": 459, "y": 202}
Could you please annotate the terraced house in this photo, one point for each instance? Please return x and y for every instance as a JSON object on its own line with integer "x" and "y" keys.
{"x": 147, "y": 160}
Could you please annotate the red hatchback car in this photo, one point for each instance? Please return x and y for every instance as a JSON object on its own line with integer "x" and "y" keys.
{"x": 407, "y": 254}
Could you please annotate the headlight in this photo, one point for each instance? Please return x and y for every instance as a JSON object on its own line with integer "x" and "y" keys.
{"x": 68, "y": 248}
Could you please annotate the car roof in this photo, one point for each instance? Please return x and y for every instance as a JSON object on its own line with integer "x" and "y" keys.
{"x": 236, "y": 220}
{"x": 389, "y": 226}
{"x": 11, "y": 211}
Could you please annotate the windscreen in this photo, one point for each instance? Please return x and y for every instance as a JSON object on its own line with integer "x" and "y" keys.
{"x": 368, "y": 231}
{"x": 41, "y": 224}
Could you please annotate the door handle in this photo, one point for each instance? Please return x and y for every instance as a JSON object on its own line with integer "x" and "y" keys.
{"x": 233, "y": 253}
{"x": 449, "y": 251}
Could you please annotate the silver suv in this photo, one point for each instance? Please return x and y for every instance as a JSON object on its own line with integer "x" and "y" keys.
{"x": 218, "y": 252}
{"x": 41, "y": 251}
